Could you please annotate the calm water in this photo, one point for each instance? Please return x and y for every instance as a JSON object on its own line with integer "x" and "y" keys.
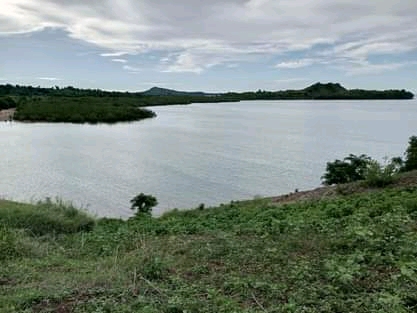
{"x": 202, "y": 153}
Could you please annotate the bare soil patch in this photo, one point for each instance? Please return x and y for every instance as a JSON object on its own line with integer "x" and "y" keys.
{"x": 7, "y": 115}
{"x": 408, "y": 179}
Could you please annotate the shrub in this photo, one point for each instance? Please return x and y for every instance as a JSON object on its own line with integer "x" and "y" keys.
{"x": 351, "y": 169}
{"x": 201, "y": 206}
{"x": 7, "y": 103}
{"x": 14, "y": 244}
{"x": 154, "y": 268}
{"x": 411, "y": 155}
{"x": 378, "y": 175}
{"x": 143, "y": 204}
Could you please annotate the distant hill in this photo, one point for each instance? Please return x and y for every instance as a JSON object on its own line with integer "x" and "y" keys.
{"x": 163, "y": 96}
{"x": 330, "y": 88}
{"x": 318, "y": 91}
{"x": 157, "y": 91}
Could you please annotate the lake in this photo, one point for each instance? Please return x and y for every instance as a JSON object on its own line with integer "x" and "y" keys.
{"x": 200, "y": 153}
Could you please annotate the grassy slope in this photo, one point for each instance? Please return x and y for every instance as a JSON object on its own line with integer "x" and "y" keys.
{"x": 346, "y": 254}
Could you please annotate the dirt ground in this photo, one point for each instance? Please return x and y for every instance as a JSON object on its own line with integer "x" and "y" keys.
{"x": 6, "y": 115}
{"x": 404, "y": 180}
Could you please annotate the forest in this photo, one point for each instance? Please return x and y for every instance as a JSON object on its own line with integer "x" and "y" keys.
{"x": 166, "y": 96}
{"x": 79, "y": 110}
{"x": 69, "y": 104}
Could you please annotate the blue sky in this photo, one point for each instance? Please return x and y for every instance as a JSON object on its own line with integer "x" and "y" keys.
{"x": 216, "y": 45}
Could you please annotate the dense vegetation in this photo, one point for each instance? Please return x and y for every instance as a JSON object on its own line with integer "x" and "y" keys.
{"x": 154, "y": 95}
{"x": 75, "y": 105}
{"x": 328, "y": 91}
{"x": 79, "y": 110}
{"x": 7, "y": 103}
{"x": 350, "y": 254}
{"x": 363, "y": 168}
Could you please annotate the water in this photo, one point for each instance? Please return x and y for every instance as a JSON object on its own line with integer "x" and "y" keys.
{"x": 201, "y": 153}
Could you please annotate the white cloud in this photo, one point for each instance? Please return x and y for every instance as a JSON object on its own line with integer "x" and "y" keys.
{"x": 205, "y": 34}
{"x": 119, "y": 60}
{"x": 114, "y": 54}
{"x": 131, "y": 69}
{"x": 52, "y": 79}
{"x": 185, "y": 62}
{"x": 295, "y": 64}
{"x": 365, "y": 67}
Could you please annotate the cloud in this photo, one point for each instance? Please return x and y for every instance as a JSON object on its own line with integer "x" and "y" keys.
{"x": 205, "y": 34}
{"x": 185, "y": 62}
{"x": 131, "y": 69}
{"x": 365, "y": 67}
{"x": 119, "y": 60}
{"x": 113, "y": 54}
{"x": 52, "y": 79}
{"x": 295, "y": 64}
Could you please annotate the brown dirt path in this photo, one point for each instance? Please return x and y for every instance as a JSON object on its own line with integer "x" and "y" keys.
{"x": 408, "y": 179}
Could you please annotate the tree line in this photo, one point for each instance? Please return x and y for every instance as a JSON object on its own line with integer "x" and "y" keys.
{"x": 317, "y": 91}
{"x": 69, "y": 104}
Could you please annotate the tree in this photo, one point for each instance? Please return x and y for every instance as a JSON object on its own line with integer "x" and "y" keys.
{"x": 352, "y": 168}
{"x": 143, "y": 204}
{"x": 411, "y": 155}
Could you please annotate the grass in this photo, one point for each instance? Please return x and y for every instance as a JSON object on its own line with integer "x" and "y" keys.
{"x": 46, "y": 217}
{"x": 354, "y": 253}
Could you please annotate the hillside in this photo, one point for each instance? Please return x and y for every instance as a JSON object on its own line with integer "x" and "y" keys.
{"x": 156, "y": 91}
{"x": 332, "y": 253}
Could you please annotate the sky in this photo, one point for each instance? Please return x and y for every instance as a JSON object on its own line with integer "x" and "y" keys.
{"x": 214, "y": 46}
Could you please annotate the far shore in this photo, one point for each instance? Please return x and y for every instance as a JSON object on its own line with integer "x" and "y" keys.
{"x": 7, "y": 115}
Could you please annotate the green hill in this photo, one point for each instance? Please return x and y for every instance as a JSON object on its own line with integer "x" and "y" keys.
{"x": 157, "y": 91}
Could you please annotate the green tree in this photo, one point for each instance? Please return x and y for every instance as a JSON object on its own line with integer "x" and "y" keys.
{"x": 143, "y": 204}
{"x": 411, "y": 155}
{"x": 350, "y": 169}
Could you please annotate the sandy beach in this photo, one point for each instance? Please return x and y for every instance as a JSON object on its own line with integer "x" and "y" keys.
{"x": 6, "y": 115}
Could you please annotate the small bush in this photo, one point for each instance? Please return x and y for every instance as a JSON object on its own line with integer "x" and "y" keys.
{"x": 153, "y": 268}
{"x": 378, "y": 175}
{"x": 13, "y": 244}
{"x": 143, "y": 204}
{"x": 201, "y": 206}
{"x": 411, "y": 155}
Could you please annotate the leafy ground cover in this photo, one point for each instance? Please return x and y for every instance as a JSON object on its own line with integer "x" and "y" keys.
{"x": 354, "y": 253}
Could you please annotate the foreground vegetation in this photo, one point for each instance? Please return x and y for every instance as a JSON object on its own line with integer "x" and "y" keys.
{"x": 355, "y": 253}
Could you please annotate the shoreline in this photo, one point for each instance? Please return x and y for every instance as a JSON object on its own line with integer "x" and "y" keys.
{"x": 7, "y": 115}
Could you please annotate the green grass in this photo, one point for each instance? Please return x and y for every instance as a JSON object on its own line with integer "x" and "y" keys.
{"x": 46, "y": 217}
{"x": 348, "y": 254}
